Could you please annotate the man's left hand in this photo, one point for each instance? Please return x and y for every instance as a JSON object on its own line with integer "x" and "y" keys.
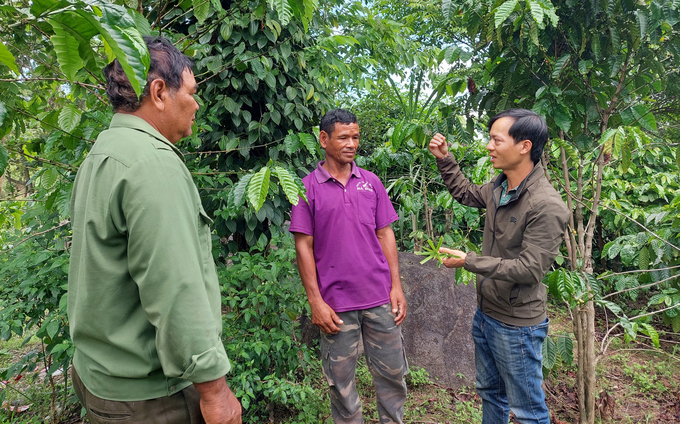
{"x": 457, "y": 259}
{"x": 399, "y": 306}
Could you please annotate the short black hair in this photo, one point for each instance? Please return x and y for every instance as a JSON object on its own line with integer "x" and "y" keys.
{"x": 527, "y": 126}
{"x": 167, "y": 63}
{"x": 334, "y": 116}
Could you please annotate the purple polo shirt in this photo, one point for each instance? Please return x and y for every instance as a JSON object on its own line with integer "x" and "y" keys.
{"x": 351, "y": 268}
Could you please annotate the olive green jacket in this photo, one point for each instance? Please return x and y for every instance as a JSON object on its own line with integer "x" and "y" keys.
{"x": 521, "y": 240}
{"x": 143, "y": 297}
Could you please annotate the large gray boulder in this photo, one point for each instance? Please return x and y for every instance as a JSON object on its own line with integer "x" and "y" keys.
{"x": 437, "y": 331}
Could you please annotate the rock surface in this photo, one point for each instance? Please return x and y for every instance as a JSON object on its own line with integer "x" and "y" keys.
{"x": 437, "y": 331}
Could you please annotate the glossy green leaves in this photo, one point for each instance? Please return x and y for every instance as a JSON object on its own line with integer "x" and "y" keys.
{"x": 7, "y": 59}
{"x": 256, "y": 187}
{"x": 75, "y": 27}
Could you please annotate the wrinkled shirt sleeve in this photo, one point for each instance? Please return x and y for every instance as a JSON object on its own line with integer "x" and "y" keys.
{"x": 170, "y": 260}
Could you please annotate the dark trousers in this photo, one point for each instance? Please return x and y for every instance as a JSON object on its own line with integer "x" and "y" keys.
{"x": 180, "y": 408}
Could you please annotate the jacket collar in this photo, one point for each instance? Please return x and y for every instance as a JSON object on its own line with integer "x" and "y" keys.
{"x": 322, "y": 175}
{"x": 126, "y": 120}
{"x": 535, "y": 175}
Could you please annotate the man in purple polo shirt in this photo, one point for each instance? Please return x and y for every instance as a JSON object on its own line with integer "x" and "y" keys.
{"x": 347, "y": 256}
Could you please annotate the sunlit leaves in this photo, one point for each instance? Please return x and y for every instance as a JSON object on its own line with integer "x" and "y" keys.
{"x": 7, "y": 59}
{"x": 446, "y": 8}
{"x": 258, "y": 188}
{"x": 283, "y": 10}
{"x": 503, "y": 12}
{"x": 66, "y": 48}
{"x": 201, "y": 9}
{"x": 69, "y": 118}
{"x": 290, "y": 188}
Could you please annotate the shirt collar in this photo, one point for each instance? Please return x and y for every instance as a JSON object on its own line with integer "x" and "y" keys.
{"x": 322, "y": 175}
{"x": 126, "y": 120}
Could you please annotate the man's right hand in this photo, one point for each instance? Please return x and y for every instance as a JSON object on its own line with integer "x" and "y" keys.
{"x": 218, "y": 403}
{"x": 439, "y": 146}
{"x": 325, "y": 318}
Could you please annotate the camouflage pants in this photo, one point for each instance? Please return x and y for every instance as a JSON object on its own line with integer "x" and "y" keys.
{"x": 383, "y": 347}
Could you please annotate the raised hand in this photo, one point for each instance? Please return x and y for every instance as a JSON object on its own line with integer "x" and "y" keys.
{"x": 439, "y": 146}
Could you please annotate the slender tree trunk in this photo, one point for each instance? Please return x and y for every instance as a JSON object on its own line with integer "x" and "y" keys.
{"x": 584, "y": 329}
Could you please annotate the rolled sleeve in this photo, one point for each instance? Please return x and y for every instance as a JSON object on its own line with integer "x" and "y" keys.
{"x": 208, "y": 366}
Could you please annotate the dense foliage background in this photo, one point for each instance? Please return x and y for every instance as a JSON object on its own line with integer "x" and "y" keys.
{"x": 604, "y": 74}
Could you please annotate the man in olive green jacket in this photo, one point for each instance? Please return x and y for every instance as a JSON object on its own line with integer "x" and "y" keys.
{"x": 143, "y": 296}
{"x": 524, "y": 227}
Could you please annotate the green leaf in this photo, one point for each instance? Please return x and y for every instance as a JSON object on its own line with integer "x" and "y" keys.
{"x": 504, "y": 11}
{"x": 537, "y": 13}
{"x": 126, "y": 44}
{"x": 657, "y": 298}
{"x": 52, "y": 328}
{"x": 651, "y": 332}
{"x": 66, "y": 47}
{"x": 237, "y": 194}
{"x": 141, "y": 22}
{"x": 201, "y": 9}
{"x": 8, "y": 59}
{"x": 562, "y": 118}
{"x": 4, "y": 158}
{"x": 39, "y": 7}
{"x": 643, "y": 258}
{"x": 565, "y": 346}
{"x": 549, "y": 353}
{"x": 644, "y": 117}
{"x": 560, "y": 64}
{"x": 3, "y": 113}
{"x": 568, "y": 148}
{"x": 309, "y": 141}
{"x": 48, "y": 178}
{"x": 291, "y": 144}
{"x": 283, "y": 10}
{"x": 258, "y": 188}
{"x": 287, "y": 182}
{"x": 69, "y": 118}
{"x": 446, "y": 8}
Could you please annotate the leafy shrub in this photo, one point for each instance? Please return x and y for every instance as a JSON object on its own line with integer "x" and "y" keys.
{"x": 263, "y": 300}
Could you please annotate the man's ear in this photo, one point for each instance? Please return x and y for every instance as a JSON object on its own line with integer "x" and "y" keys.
{"x": 526, "y": 147}
{"x": 157, "y": 92}
{"x": 323, "y": 138}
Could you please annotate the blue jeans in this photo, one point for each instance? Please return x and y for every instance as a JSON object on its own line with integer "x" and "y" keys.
{"x": 509, "y": 370}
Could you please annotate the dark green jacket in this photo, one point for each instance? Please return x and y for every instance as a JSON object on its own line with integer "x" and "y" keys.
{"x": 143, "y": 296}
{"x": 521, "y": 240}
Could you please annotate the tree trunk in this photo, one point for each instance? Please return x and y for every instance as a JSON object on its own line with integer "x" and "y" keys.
{"x": 584, "y": 329}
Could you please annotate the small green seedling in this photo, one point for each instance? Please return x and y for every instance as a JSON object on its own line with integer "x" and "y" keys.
{"x": 433, "y": 252}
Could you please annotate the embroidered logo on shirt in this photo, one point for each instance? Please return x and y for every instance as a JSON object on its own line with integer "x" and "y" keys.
{"x": 364, "y": 186}
{"x": 513, "y": 220}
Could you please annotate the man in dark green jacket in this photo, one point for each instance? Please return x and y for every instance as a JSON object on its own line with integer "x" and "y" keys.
{"x": 524, "y": 227}
{"x": 143, "y": 296}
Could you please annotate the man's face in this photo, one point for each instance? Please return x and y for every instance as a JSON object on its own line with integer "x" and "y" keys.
{"x": 342, "y": 144}
{"x": 180, "y": 109}
{"x": 505, "y": 153}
